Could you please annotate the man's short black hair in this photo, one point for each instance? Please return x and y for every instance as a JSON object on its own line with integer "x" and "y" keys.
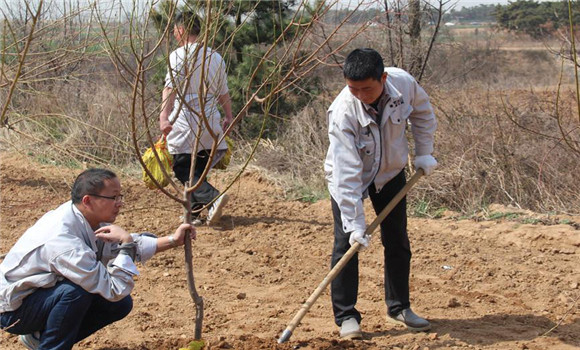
{"x": 189, "y": 21}
{"x": 90, "y": 181}
{"x": 362, "y": 64}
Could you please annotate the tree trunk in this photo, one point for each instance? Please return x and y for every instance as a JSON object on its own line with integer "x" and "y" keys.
{"x": 415, "y": 36}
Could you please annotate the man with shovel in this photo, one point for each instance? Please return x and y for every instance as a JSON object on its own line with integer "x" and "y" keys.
{"x": 367, "y": 155}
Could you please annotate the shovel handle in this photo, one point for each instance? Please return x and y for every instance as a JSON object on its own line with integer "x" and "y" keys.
{"x": 393, "y": 203}
{"x": 346, "y": 258}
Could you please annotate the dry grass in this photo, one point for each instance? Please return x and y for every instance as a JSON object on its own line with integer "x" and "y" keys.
{"x": 486, "y": 158}
{"x": 297, "y": 156}
{"x": 75, "y": 122}
{"x": 482, "y": 98}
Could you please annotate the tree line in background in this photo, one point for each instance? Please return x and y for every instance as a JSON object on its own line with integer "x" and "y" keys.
{"x": 481, "y": 13}
{"x": 534, "y": 18}
{"x": 537, "y": 19}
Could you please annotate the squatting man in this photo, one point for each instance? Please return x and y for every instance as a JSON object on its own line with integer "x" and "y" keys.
{"x": 71, "y": 273}
{"x": 367, "y": 154}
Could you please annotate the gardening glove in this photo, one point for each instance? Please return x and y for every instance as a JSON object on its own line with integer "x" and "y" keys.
{"x": 427, "y": 163}
{"x": 359, "y": 236}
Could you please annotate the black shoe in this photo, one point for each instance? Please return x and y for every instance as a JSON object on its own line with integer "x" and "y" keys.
{"x": 410, "y": 320}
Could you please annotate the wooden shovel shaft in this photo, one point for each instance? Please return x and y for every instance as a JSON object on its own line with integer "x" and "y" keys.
{"x": 346, "y": 258}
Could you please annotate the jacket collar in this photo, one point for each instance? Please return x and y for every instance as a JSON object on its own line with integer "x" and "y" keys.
{"x": 392, "y": 90}
{"x": 86, "y": 232}
{"x": 396, "y": 100}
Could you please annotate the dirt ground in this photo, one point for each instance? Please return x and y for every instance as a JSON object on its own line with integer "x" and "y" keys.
{"x": 510, "y": 283}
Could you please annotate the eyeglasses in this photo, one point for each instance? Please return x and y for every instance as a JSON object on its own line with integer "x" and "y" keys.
{"x": 118, "y": 198}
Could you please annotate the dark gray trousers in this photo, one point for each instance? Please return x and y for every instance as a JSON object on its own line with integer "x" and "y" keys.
{"x": 396, "y": 252}
{"x": 206, "y": 192}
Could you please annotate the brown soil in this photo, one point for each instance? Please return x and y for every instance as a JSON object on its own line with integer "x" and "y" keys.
{"x": 502, "y": 284}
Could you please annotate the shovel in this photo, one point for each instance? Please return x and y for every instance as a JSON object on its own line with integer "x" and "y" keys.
{"x": 346, "y": 257}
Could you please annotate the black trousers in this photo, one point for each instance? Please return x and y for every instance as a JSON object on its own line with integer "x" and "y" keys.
{"x": 205, "y": 193}
{"x": 396, "y": 252}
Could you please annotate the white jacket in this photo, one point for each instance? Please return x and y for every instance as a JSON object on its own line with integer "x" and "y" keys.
{"x": 361, "y": 153}
{"x": 61, "y": 245}
{"x": 185, "y": 77}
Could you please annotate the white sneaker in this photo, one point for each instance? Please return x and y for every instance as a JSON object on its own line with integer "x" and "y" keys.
{"x": 195, "y": 222}
{"x": 30, "y": 341}
{"x": 215, "y": 211}
{"x": 350, "y": 329}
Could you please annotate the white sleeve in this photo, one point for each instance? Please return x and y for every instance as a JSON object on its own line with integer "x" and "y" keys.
{"x": 175, "y": 74}
{"x": 347, "y": 176}
{"x": 146, "y": 246}
{"x": 423, "y": 122}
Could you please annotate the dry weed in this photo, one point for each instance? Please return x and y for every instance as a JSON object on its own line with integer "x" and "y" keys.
{"x": 297, "y": 156}
{"x": 487, "y": 158}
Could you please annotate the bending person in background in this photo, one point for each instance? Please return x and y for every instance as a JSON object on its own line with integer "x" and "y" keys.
{"x": 366, "y": 158}
{"x": 184, "y": 96}
{"x": 71, "y": 273}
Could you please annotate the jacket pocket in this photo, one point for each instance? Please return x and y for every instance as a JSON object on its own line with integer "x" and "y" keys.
{"x": 398, "y": 148}
{"x": 366, "y": 145}
{"x": 400, "y": 115}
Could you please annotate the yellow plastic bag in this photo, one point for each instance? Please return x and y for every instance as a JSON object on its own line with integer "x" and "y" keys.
{"x": 155, "y": 167}
{"x": 225, "y": 161}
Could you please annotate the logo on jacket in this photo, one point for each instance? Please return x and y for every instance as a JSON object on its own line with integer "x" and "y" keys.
{"x": 396, "y": 103}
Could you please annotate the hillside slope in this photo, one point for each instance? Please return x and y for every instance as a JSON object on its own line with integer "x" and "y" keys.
{"x": 484, "y": 284}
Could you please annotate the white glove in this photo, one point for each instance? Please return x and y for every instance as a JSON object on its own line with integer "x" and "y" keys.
{"x": 359, "y": 236}
{"x": 427, "y": 163}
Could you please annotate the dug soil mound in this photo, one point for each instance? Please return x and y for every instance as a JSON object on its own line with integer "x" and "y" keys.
{"x": 510, "y": 283}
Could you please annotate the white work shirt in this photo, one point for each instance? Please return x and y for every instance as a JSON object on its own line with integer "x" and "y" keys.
{"x": 194, "y": 95}
{"x": 362, "y": 152}
{"x": 61, "y": 245}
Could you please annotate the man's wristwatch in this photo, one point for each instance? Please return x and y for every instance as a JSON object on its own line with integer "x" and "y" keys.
{"x": 172, "y": 241}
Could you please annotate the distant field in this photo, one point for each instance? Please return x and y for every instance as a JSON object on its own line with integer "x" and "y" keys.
{"x": 503, "y": 40}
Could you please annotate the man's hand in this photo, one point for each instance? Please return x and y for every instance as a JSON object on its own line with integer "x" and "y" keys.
{"x": 226, "y": 103}
{"x": 227, "y": 122}
{"x": 179, "y": 234}
{"x": 427, "y": 163}
{"x": 359, "y": 236}
{"x": 165, "y": 126}
{"x": 113, "y": 233}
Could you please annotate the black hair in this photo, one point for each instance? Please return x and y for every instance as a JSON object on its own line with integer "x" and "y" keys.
{"x": 90, "y": 181}
{"x": 362, "y": 64}
{"x": 189, "y": 21}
